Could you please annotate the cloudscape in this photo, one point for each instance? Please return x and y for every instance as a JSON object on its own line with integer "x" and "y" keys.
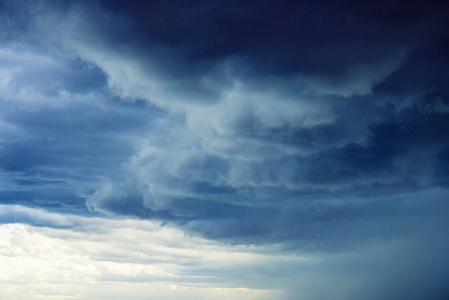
{"x": 208, "y": 149}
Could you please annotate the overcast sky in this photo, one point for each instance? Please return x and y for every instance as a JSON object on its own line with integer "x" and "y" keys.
{"x": 193, "y": 149}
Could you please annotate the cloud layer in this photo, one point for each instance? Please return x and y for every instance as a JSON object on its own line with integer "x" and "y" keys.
{"x": 94, "y": 258}
{"x": 319, "y": 127}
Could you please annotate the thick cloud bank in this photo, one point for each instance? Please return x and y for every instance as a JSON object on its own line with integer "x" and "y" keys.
{"x": 320, "y": 127}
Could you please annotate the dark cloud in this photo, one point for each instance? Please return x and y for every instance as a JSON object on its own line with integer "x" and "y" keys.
{"x": 336, "y": 43}
{"x": 284, "y": 34}
{"x": 318, "y": 126}
{"x": 222, "y": 53}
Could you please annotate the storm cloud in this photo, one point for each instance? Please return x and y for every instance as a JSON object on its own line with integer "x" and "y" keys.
{"x": 319, "y": 128}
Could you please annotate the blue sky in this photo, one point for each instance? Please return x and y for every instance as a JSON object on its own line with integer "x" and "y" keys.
{"x": 224, "y": 150}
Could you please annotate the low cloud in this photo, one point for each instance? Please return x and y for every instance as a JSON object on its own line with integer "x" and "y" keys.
{"x": 101, "y": 258}
{"x": 92, "y": 254}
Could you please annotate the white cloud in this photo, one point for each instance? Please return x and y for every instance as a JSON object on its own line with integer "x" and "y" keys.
{"x": 98, "y": 258}
{"x": 125, "y": 259}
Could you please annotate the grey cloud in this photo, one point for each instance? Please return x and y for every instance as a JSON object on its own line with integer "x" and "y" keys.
{"x": 49, "y": 76}
{"x": 318, "y": 127}
{"x": 176, "y": 60}
{"x": 58, "y": 139}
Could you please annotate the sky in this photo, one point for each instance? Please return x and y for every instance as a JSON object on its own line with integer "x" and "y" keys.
{"x": 209, "y": 150}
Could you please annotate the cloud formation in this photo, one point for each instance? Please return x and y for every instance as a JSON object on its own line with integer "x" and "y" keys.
{"x": 320, "y": 127}
{"x": 71, "y": 256}
{"x": 139, "y": 258}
